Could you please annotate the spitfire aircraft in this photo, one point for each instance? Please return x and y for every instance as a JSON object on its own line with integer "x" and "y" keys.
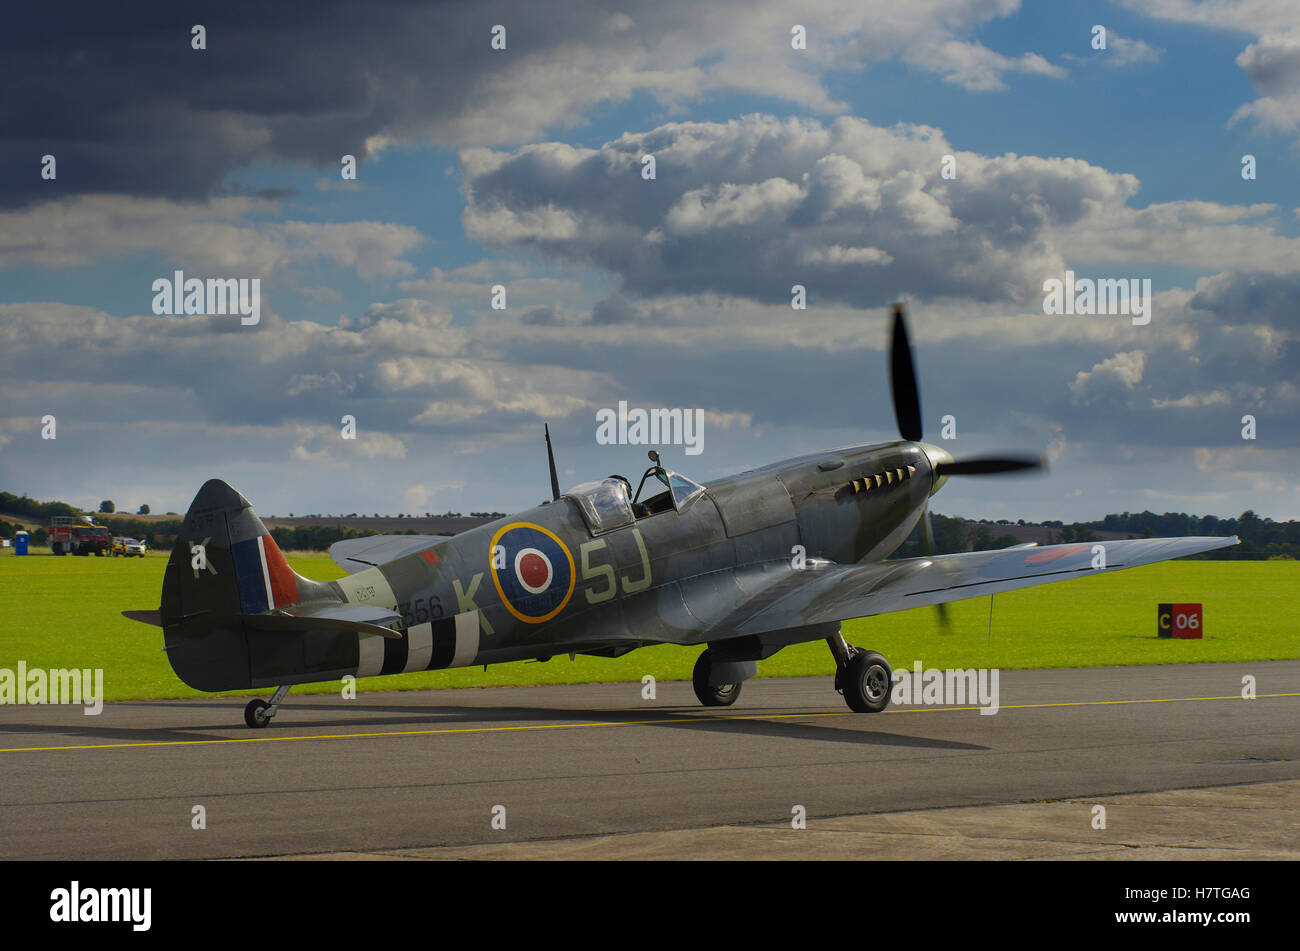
{"x": 742, "y": 567}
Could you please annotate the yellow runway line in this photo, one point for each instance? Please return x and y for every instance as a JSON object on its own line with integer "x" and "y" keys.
{"x": 569, "y": 726}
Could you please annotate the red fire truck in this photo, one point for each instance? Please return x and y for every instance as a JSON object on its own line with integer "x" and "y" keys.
{"x": 78, "y": 535}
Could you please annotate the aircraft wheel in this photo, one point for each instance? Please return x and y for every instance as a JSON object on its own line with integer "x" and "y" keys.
{"x": 255, "y": 714}
{"x": 723, "y": 695}
{"x": 866, "y": 682}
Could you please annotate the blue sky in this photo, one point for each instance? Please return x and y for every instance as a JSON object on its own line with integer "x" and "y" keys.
{"x": 518, "y": 167}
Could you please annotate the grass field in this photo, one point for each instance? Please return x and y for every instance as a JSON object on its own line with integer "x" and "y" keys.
{"x": 64, "y": 612}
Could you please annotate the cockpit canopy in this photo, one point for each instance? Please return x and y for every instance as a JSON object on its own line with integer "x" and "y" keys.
{"x": 605, "y": 505}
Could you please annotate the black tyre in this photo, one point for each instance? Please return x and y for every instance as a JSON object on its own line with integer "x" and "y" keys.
{"x": 867, "y": 682}
{"x": 255, "y": 715}
{"x": 723, "y": 695}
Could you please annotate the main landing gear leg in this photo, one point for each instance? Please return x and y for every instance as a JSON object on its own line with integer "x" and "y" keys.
{"x": 258, "y": 713}
{"x": 863, "y": 677}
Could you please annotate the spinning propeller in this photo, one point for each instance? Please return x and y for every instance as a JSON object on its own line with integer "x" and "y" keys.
{"x": 907, "y": 411}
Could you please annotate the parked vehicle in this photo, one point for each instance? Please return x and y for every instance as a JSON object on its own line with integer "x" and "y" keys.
{"x": 128, "y": 547}
{"x": 78, "y": 535}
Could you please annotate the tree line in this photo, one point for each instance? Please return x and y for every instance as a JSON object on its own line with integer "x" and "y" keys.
{"x": 1260, "y": 537}
{"x": 162, "y": 533}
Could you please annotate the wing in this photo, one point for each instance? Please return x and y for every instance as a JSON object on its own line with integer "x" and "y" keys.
{"x": 817, "y": 595}
{"x": 358, "y": 554}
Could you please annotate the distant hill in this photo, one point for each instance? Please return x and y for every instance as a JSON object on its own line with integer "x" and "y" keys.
{"x": 383, "y": 524}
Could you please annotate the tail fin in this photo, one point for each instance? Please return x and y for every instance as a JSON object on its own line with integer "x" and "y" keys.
{"x": 225, "y": 574}
{"x": 225, "y": 562}
{"x": 235, "y": 615}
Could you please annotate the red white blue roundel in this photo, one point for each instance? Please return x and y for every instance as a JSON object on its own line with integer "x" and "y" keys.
{"x": 532, "y": 570}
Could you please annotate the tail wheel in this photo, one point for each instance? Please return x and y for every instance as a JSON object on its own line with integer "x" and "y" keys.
{"x": 866, "y": 681}
{"x": 722, "y": 695}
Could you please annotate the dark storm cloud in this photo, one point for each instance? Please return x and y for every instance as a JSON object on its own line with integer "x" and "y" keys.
{"x": 116, "y": 93}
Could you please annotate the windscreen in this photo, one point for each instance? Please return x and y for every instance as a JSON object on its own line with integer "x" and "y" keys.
{"x": 682, "y": 488}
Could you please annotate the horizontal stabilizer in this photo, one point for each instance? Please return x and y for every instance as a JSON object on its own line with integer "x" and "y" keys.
{"x": 153, "y": 617}
{"x": 358, "y": 554}
{"x": 361, "y": 618}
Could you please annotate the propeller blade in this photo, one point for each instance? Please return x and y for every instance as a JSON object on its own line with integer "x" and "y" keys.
{"x": 945, "y": 622}
{"x": 988, "y": 465}
{"x": 902, "y": 378}
{"x": 550, "y": 458}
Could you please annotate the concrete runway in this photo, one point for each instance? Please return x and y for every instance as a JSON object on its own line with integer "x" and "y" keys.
{"x": 593, "y": 770}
